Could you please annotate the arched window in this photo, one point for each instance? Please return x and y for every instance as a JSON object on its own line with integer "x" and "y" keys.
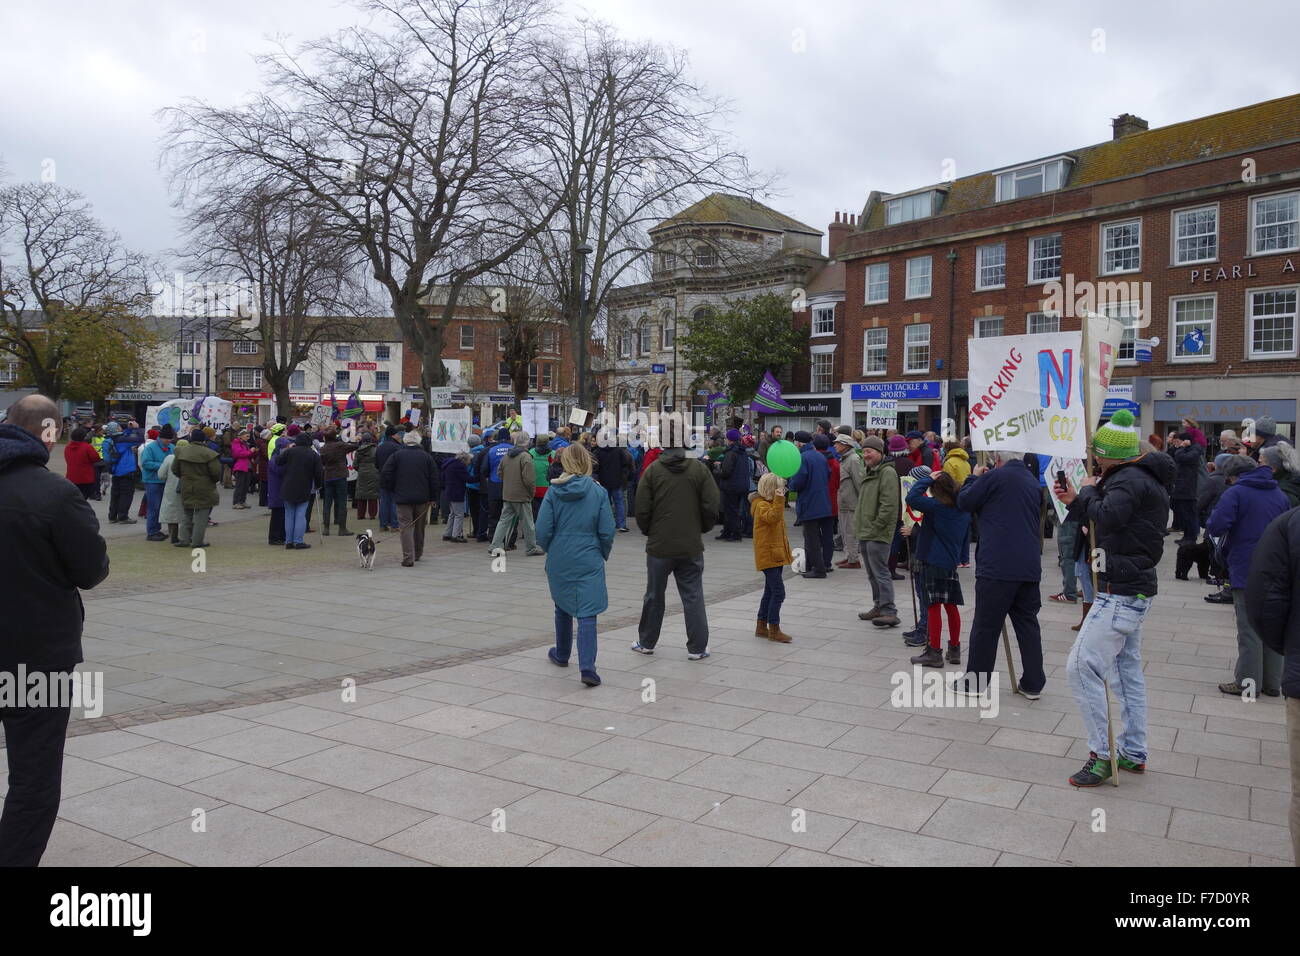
{"x": 644, "y": 331}
{"x": 666, "y": 399}
{"x": 644, "y": 398}
{"x": 701, "y": 314}
{"x": 669, "y": 325}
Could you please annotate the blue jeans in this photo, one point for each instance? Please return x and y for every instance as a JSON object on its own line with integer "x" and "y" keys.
{"x": 295, "y": 521}
{"x": 586, "y": 640}
{"x": 1067, "y": 537}
{"x": 620, "y": 506}
{"x": 769, "y": 609}
{"x": 1109, "y": 646}
{"x": 387, "y": 510}
{"x": 1083, "y": 571}
{"x": 153, "y": 495}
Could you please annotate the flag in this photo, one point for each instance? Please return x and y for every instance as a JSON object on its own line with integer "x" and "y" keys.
{"x": 334, "y": 415}
{"x": 768, "y": 399}
{"x": 718, "y": 398}
{"x": 354, "y": 407}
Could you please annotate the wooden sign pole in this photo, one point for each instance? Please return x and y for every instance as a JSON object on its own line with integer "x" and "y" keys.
{"x": 1088, "y": 426}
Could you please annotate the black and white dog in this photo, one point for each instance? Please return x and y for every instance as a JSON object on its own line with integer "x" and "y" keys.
{"x": 366, "y": 550}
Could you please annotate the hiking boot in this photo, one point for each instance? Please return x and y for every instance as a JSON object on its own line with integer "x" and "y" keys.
{"x": 887, "y": 621}
{"x": 930, "y": 657}
{"x": 869, "y": 615}
{"x": 953, "y": 654}
{"x": 774, "y": 633}
{"x": 760, "y": 629}
{"x": 915, "y": 639}
{"x": 1132, "y": 766}
{"x": 1232, "y": 689}
{"x": 1094, "y": 773}
{"x": 897, "y": 577}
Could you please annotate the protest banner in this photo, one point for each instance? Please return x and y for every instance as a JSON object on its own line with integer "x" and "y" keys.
{"x": 882, "y": 413}
{"x": 1026, "y": 394}
{"x": 449, "y": 429}
{"x": 536, "y": 415}
{"x": 321, "y": 415}
{"x": 1075, "y": 471}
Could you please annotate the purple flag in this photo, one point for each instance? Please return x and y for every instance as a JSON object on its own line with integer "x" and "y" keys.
{"x": 768, "y": 399}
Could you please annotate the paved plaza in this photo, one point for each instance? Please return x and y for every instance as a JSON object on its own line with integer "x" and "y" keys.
{"x": 228, "y": 693}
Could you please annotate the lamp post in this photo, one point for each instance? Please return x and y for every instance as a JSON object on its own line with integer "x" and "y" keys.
{"x": 582, "y": 252}
{"x": 949, "y": 405}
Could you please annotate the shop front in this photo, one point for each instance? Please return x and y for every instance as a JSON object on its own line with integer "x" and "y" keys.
{"x": 136, "y": 404}
{"x": 808, "y": 410}
{"x": 1213, "y": 415}
{"x": 919, "y": 404}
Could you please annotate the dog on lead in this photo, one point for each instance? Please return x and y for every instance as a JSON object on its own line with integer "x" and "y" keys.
{"x": 366, "y": 550}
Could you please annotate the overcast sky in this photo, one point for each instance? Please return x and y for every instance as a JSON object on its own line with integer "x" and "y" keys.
{"x": 837, "y": 96}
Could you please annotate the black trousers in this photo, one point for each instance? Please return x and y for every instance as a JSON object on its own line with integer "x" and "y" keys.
{"x": 275, "y": 533}
{"x": 1188, "y": 521}
{"x": 495, "y": 503}
{"x": 119, "y": 497}
{"x": 34, "y": 737}
{"x": 814, "y": 552}
{"x": 828, "y": 539}
{"x": 995, "y": 601}
{"x": 241, "y": 487}
{"x": 732, "y": 526}
{"x": 473, "y": 520}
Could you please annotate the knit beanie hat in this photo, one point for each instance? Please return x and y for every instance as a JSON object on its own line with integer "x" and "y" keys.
{"x": 802, "y": 437}
{"x": 821, "y": 442}
{"x": 151, "y": 434}
{"x": 503, "y": 434}
{"x": 1118, "y": 438}
{"x": 733, "y": 434}
{"x": 873, "y": 441}
{"x": 292, "y": 431}
{"x": 1265, "y": 426}
{"x": 112, "y": 429}
{"x": 897, "y": 444}
{"x": 167, "y": 433}
{"x": 1221, "y": 460}
{"x": 411, "y": 438}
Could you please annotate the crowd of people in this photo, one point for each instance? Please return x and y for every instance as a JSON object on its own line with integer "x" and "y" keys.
{"x": 888, "y": 501}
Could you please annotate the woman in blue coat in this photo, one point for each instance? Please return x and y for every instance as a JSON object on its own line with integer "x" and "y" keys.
{"x": 576, "y": 530}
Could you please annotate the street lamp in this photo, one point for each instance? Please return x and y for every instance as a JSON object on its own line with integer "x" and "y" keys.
{"x": 582, "y": 252}
{"x": 949, "y": 405}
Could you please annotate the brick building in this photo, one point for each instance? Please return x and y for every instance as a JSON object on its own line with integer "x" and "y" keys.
{"x": 1190, "y": 233}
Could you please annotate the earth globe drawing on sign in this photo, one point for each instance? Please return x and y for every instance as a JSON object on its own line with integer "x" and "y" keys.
{"x": 170, "y": 416}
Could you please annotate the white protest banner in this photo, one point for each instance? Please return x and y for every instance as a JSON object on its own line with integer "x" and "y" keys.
{"x": 1104, "y": 334}
{"x": 151, "y": 417}
{"x": 321, "y": 415}
{"x": 1026, "y": 394}
{"x": 536, "y": 415}
{"x": 215, "y": 412}
{"x": 449, "y": 429}
{"x": 1075, "y": 473}
{"x": 413, "y": 416}
{"x": 440, "y": 397}
{"x": 882, "y": 413}
{"x": 578, "y": 417}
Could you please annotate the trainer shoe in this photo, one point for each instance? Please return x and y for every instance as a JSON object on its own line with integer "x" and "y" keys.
{"x": 869, "y": 615}
{"x": 697, "y": 655}
{"x": 915, "y": 639}
{"x": 641, "y": 649}
{"x": 1132, "y": 766}
{"x": 1094, "y": 773}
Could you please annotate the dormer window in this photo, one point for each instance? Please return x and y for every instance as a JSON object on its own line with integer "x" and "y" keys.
{"x": 1031, "y": 180}
{"x": 705, "y": 256}
{"x": 907, "y": 208}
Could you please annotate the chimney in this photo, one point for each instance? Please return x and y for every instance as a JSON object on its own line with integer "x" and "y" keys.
{"x": 836, "y": 231}
{"x": 1126, "y": 124}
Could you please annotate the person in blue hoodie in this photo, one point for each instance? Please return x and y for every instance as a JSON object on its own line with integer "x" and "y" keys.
{"x": 151, "y": 459}
{"x": 123, "y": 465}
{"x": 1008, "y": 570}
{"x": 939, "y": 540}
{"x": 495, "y": 485}
{"x": 813, "y": 506}
{"x": 1249, "y": 503}
{"x": 576, "y": 530}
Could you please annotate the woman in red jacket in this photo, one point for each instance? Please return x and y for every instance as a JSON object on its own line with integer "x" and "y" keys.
{"x": 81, "y": 458}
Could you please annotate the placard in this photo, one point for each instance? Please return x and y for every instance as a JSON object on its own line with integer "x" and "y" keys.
{"x": 449, "y": 429}
{"x": 440, "y": 397}
{"x": 1075, "y": 472}
{"x": 536, "y": 415}
{"x": 882, "y": 413}
{"x": 1026, "y": 394}
{"x": 578, "y": 417}
{"x": 321, "y": 415}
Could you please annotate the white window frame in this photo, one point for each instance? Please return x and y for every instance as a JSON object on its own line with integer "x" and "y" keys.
{"x": 645, "y": 337}
{"x": 929, "y": 277}
{"x": 550, "y": 341}
{"x": 1029, "y": 322}
{"x": 1060, "y": 258}
{"x": 885, "y": 267}
{"x": 195, "y": 377}
{"x": 979, "y": 322}
{"x": 1251, "y": 245}
{"x": 980, "y": 266}
{"x": 386, "y": 357}
{"x": 246, "y": 347}
{"x": 342, "y": 353}
{"x": 463, "y": 330}
{"x": 870, "y": 348}
{"x": 817, "y": 312}
{"x": 503, "y": 375}
{"x": 668, "y": 332}
{"x": 8, "y": 372}
{"x": 1250, "y": 325}
{"x": 705, "y": 257}
{"x": 254, "y": 382}
{"x": 1010, "y": 177}
{"x": 1127, "y": 305}
{"x": 189, "y": 347}
{"x": 385, "y": 385}
{"x": 909, "y": 208}
{"x": 908, "y": 345}
{"x": 298, "y": 380}
{"x": 1174, "y": 237}
{"x": 1175, "y": 339}
{"x": 1102, "y": 270}
{"x": 813, "y": 353}
{"x": 347, "y": 378}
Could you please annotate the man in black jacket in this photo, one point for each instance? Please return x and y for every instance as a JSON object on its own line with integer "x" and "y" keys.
{"x": 49, "y": 548}
{"x": 733, "y": 483}
{"x": 412, "y": 479}
{"x": 1188, "y": 457}
{"x": 1273, "y": 606}
{"x": 1128, "y": 507}
{"x": 302, "y": 476}
{"x": 387, "y": 510}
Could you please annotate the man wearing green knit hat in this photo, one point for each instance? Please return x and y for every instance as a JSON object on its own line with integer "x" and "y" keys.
{"x": 1128, "y": 506}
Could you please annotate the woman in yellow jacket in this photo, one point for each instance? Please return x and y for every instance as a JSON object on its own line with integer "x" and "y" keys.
{"x": 956, "y": 463}
{"x": 771, "y": 553}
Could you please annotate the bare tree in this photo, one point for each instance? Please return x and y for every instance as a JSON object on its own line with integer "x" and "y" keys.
{"x": 421, "y": 139}
{"x": 68, "y": 291}
{"x": 295, "y": 279}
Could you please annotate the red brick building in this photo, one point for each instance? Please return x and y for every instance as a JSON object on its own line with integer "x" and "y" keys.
{"x": 1190, "y": 233}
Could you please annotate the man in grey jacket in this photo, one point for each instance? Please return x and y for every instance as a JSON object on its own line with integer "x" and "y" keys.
{"x": 852, "y": 473}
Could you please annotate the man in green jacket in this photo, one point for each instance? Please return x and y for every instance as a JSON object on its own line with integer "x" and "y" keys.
{"x": 874, "y": 524}
{"x": 677, "y": 503}
{"x": 199, "y": 468}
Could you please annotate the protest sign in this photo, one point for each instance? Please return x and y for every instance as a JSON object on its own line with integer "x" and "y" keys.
{"x": 449, "y": 429}
{"x": 882, "y": 413}
{"x": 536, "y": 415}
{"x": 1026, "y": 394}
{"x": 1075, "y": 472}
{"x": 321, "y": 415}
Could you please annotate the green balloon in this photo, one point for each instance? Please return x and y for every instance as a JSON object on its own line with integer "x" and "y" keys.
{"x": 783, "y": 458}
